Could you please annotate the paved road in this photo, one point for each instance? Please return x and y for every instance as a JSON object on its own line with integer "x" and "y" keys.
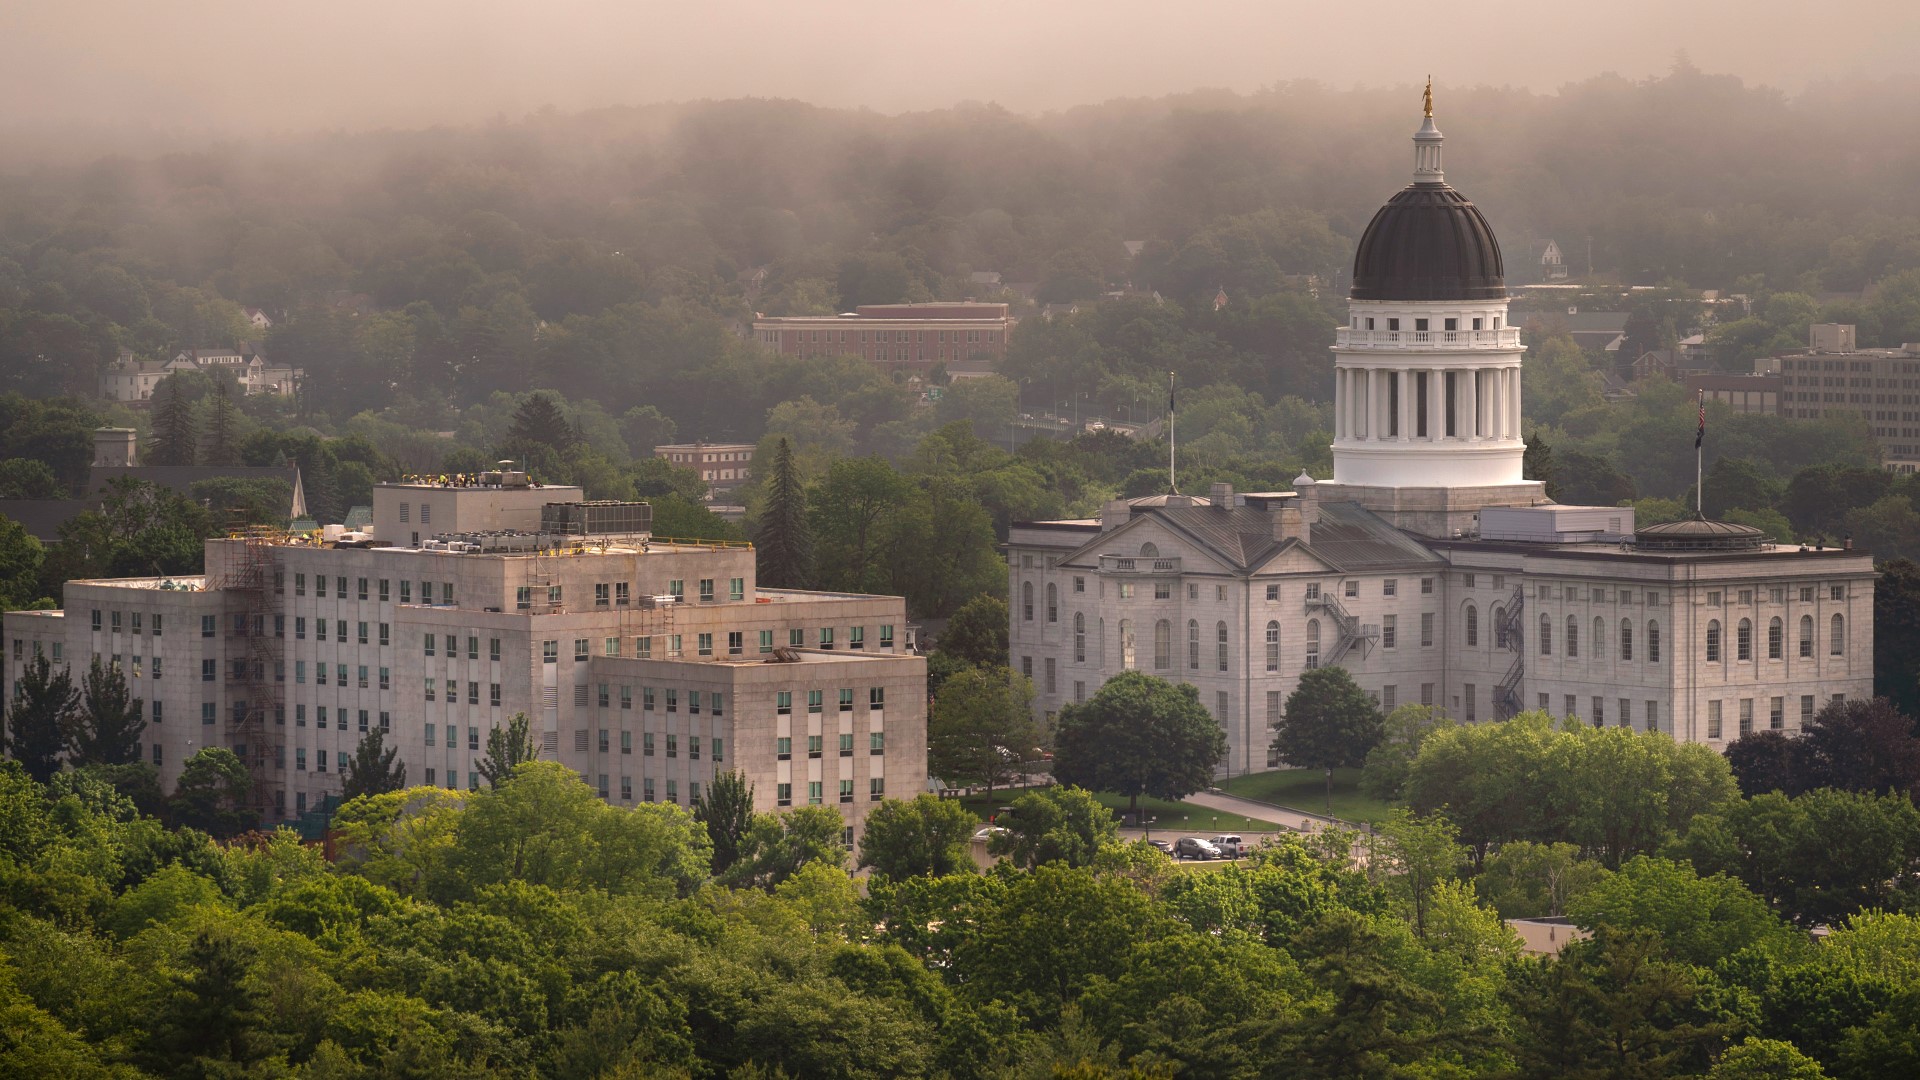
{"x": 1234, "y": 804}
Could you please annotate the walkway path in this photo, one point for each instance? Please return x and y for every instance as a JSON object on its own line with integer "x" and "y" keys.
{"x": 1297, "y": 820}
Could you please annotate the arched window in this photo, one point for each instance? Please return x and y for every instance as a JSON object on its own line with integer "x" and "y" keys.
{"x": 1573, "y": 637}
{"x": 1473, "y": 626}
{"x": 1653, "y": 642}
{"x": 1273, "y": 646}
{"x": 1599, "y": 643}
{"x": 1053, "y": 602}
{"x": 1079, "y": 637}
{"x": 1126, "y": 645}
{"x": 1313, "y": 643}
{"x": 1162, "y": 645}
{"x": 1837, "y": 636}
{"x": 1776, "y": 638}
{"x": 1026, "y": 601}
{"x": 1499, "y": 627}
{"x": 1626, "y": 639}
{"x": 1743, "y": 640}
{"x": 1806, "y": 637}
{"x": 1148, "y": 551}
{"x": 1220, "y": 636}
{"x": 1713, "y": 642}
{"x": 1546, "y": 635}
{"x": 1193, "y": 645}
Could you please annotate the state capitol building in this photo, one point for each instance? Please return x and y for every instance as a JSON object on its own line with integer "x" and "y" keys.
{"x": 1427, "y": 565}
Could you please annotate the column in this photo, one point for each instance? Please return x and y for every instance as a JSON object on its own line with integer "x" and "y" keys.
{"x": 1407, "y": 413}
{"x": 1436, "y": 405}
{"x": 1513, "y": 401}
{"x": 1376, "y": 409}
{"x": 1342, "y": 401}
{"x": 1497, "y": 394}
{"x": 1469, "y": 404}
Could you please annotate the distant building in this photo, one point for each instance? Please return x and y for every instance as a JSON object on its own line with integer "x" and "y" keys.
{"x": 259, "y": 319}
{"x": 912, "y": 337}
{"x": 989, "y": 278}
{"x": 1552, "y": 262}
{"x": 724, "y": 466}
{"x": 1833, "y": 376}
{"x": 131, "y": 381}
{"x": 1755, "y": 394}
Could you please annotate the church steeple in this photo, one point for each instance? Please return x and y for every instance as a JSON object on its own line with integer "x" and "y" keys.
{"x": 1426, "y": 145}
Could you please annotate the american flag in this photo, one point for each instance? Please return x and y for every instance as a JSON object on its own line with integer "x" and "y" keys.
{"x": 1701, "y": 435}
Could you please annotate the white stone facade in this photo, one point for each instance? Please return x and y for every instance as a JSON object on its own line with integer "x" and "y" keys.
{"x": 290, "y": 653}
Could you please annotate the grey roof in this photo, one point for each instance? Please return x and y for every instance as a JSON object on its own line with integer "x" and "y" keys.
{"x": 1241, "y": 536}
{"x": 181, "y": 478}
{"x": 42, "y": 518}
{"x": 1354, "y": 539}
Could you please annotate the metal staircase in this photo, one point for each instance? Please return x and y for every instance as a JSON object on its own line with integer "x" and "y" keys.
{"x": 252, "y": 603}
{"x": 1511, "y": 631}
{"x": 1349, "y": 632}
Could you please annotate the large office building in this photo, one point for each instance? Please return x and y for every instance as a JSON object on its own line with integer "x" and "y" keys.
{"x": 903, "y": 337}
{"x": 1427, "y": 565}
{"x": 648, "y": 667}
{"x": 1833, "y": 377}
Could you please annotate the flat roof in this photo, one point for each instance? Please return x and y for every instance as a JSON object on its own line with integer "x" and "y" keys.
{"x": 1626, "y": 552}
{"x": 806, "y": 657}
{"x": 181, "y": 583}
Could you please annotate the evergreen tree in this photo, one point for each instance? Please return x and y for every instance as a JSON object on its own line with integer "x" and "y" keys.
{"x": 222, "y": 421}
{"x": 372, "y": 770}
{"x": 106, "y": 729}
{"x": 539, "y": 419}
{"x": 508, "y": 747}
{"x": 175, "y": 434}
{"x": 211, "y": 793}
{"x": 785, "y": 541}
{"x": 37, "y": 721}
{"x": 726, "y": 809}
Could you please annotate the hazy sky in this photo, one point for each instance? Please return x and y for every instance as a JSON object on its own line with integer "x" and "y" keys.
{"x": 287, "y": 65}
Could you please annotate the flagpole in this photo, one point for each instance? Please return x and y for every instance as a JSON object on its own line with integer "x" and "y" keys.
{"x": 1699, "y": 494}
{"x": 1173, "y": 482}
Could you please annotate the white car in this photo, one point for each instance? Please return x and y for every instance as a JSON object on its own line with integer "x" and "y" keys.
{"x": 1231, "y": 845}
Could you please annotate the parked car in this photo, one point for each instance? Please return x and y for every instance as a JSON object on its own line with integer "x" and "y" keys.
{"x": 1192, "y": 847}
{"x": 1163, "y": 845}
{"x": 1231, "y": 846}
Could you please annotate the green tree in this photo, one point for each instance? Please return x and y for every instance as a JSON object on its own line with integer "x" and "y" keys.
{"x": 42, "y": 711}
{"x": 507, "y": 749}
{"x": 1417, "y": 854}
{"x": 175, "y": 433}
{"x": 211, "y": 793}
{"x": 1896, "y": 634}
{"x": 1402, "y": 733}
{"x": 784, "y": 540}
{"x": 1700, "y": 919}
{"x": 855, "y": 512}
{"x": 1525, "y": 880}
{"x": 20, "y": 559}
{"x": 725, "y": 807}
{"x": 927, "y": 836}
{"x": 1765, "y": 1059}
{"x": 106, "y": 728}
{"x": 540, "y": 420}
{"x": 373, "y": 769}
{"x": 778, "y": 845}
{"x": 981, "y": 728}
{"x": 212, "y": 1016}
{"x": 978, "y": 632}
{"x": 222, "y": 435}
{"x": 1615, "y": 1006}
{"x": 1328, "y": 723}
{"x": 1138, "y": 735}
{"x": 1058, "y": 824}
{"x": 27, "y": 478}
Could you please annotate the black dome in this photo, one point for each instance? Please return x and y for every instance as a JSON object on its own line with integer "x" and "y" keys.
{"x": 1428, "y": 243}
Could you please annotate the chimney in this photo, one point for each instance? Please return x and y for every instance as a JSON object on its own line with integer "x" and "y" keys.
{"x": 1115, "y": 514}
{"x": 1308, "y": 491}
{"x": 1289, "y": 523}
{"x": 114, "y": 447}
{"x": 1221, "y": 496}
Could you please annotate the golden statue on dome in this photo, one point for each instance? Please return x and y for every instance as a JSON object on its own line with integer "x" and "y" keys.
{"x": 1428, "y": 102}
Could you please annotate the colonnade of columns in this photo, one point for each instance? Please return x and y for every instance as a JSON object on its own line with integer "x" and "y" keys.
{"x": 1385, "y": 403}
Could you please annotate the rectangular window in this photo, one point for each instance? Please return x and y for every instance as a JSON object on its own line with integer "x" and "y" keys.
{"x": 766, "y": 641}
{"x": 1746, "y": 716}
{"x": 814, "y": 746}
{"x": 797, "y": 638}
{"x": 300, "y": 584}
{"x": 208, "y": 712}
{"x": 1471, "y": 694}
{"x": 877, "y": 788}
{"x": 1713, "y": 719}
{"x": 705, "y": 643}
{"x": 826, "y": 637}
{"x": 1653, "y": 715}
{"x": 846, "y": 699}
{"x": 1426, "y": 630}
{"x": 406, "y": 591}
{"x": 1390, "y": 587}
{"x": 429, "y": 684}
{"x": 1388, "y": 631}
{"x": 428, "y": 641}
{"x": 783, "y": 794}
{"x": 736, "y": 588}
{"x": 1777, "y": 713}
{"x": 206, "y": 624}
{"x": 1806, "y": 710}
{"x": 876, "y": 742}
{"x": 386, "y": 634}
{"x": 385, "y": 592}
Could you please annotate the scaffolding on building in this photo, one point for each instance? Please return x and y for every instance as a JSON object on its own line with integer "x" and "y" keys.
{"x": 256, "y": 663}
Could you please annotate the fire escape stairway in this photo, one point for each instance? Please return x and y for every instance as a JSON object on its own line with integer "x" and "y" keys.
{"x": 1506, "y": 695}
{"x": 253, "y": 602}
{"x": 1347, "y": 630}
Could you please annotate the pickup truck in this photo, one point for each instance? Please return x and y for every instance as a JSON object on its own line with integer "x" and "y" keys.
{"x": 1231, "y": 846}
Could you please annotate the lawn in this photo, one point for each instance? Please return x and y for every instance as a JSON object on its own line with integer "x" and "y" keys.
{"x": 1170, "y": 817}
{"x": 1306, "y": 789}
